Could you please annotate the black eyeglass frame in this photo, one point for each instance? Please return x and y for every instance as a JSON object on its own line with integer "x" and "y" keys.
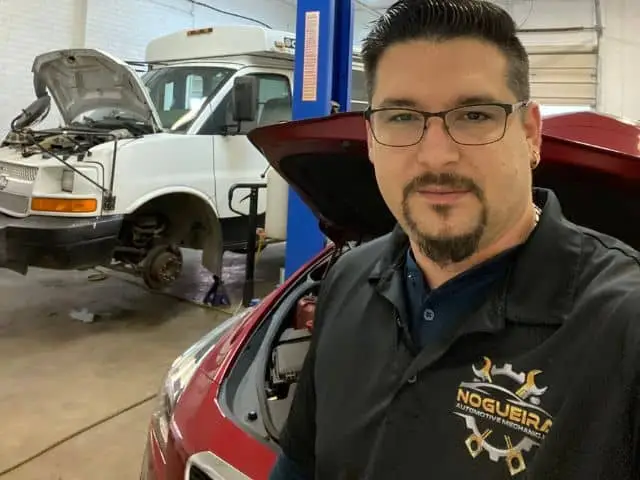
{"x": 509, "y": 109}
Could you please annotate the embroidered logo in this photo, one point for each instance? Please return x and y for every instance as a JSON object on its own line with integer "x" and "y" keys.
{"x": 498, "y": 406}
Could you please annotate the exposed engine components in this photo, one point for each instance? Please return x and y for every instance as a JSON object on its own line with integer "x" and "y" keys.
{"x": 287, "y": 359}
{"x": 61, "y": 142}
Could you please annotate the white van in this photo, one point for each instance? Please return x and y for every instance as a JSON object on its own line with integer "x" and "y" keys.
{"x": 143, "y": 164}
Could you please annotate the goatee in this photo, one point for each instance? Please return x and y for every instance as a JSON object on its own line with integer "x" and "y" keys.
{"x": 445, "y": 249}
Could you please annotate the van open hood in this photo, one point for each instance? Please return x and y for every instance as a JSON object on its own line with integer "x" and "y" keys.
{"x": 81, "y": 80}
{"x": 325, "y": 161}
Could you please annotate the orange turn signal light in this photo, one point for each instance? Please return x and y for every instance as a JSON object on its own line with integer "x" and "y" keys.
{"x": 66, "y": 205}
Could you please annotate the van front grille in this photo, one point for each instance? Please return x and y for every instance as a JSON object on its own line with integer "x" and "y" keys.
{"x": 12, "y": 203}
{"x": 20, "y": 172}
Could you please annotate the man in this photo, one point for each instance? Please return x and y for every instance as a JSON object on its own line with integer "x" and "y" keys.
{"x": 487, "y": 337}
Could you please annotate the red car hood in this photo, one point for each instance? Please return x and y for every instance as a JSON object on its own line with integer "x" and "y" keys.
{"x": 325, "y": 160}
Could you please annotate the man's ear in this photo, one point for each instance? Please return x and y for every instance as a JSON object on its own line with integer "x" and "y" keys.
{"x": 370, "y": 141}
{"x": 532, "y": 122}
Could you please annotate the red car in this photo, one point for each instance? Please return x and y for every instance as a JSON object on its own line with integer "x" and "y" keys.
{"x": 225, "y": 399}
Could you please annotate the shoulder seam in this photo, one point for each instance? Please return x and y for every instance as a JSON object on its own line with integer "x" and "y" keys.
{"x": 635, "y": 258}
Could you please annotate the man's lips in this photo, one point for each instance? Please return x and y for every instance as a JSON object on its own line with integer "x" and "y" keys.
{"x": 442, "y": 190}
{"x": 442, "y": 194}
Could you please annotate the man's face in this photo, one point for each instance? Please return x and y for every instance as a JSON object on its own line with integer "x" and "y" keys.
{"x": 451, "y": 199}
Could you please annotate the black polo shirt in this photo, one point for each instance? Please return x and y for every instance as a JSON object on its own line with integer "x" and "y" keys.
{"x": 540, "y": 381}
{"x": 432, "y": 313}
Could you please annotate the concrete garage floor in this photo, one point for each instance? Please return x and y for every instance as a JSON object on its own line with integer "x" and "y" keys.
{"x": 59, "y": 376}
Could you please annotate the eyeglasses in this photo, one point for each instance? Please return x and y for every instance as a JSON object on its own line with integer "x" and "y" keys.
{"x": 480, "y": 124}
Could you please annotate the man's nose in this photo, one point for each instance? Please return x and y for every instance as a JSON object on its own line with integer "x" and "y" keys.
{"x": 437, "y": 148}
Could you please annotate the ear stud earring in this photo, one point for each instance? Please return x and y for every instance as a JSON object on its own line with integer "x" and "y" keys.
{"x": 535, "y": 160}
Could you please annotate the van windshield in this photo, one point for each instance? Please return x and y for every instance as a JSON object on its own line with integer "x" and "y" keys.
{"x": 178, "y": 92}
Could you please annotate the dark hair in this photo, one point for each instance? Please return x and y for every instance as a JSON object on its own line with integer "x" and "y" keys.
{"x": 441, "y": 20}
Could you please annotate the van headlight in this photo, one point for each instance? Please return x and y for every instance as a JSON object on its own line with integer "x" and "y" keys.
{"x": 67, "y": 180}
{"x": 182, "y": 371}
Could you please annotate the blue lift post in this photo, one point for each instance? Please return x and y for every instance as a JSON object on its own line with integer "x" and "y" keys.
{"x": 324, "y": 46}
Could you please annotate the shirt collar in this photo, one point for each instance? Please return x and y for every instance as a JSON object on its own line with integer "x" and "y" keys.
{"x": 544, "y": 277}
{"x": 492, "y": 266}
{"x": 541, "y": 281}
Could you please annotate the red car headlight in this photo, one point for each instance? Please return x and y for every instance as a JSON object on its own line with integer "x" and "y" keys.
{"x": 180, "y": 374}
{"x": 177, "y": 379}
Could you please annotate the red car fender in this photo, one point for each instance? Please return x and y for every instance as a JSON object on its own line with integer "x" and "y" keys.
{"x": 199, "y": 425}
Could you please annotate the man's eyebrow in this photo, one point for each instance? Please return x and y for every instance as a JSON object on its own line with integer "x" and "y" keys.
{"x": 475, "y": 100}
{"x": 458, "y": 102}
{"x": 398, "y": 102}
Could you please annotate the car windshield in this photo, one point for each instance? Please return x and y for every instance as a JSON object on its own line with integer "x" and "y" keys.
{"x": 179, "y": 92}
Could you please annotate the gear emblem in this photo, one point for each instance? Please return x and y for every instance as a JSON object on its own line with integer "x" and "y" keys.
{"x": 500, "y": 404}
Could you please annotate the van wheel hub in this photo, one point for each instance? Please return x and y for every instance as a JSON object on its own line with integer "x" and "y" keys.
{"x": 162, "y": 267}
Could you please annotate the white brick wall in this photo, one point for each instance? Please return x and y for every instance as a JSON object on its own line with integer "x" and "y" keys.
{"x": 123, "y": 28}
{"x": 26, "y": 28}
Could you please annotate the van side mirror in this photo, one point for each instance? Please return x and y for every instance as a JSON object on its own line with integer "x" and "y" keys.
{"x": 245, "y": 99}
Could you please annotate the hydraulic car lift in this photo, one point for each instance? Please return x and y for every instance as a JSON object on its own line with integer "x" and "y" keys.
{"x": 322, "y": 78}
{"x": 322, "y": 86}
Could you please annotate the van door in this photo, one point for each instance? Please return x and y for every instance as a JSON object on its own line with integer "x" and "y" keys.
{"x": 235, "y": 160}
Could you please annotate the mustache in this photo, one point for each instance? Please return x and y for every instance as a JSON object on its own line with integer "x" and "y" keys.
{"x": 446, "y": 179}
